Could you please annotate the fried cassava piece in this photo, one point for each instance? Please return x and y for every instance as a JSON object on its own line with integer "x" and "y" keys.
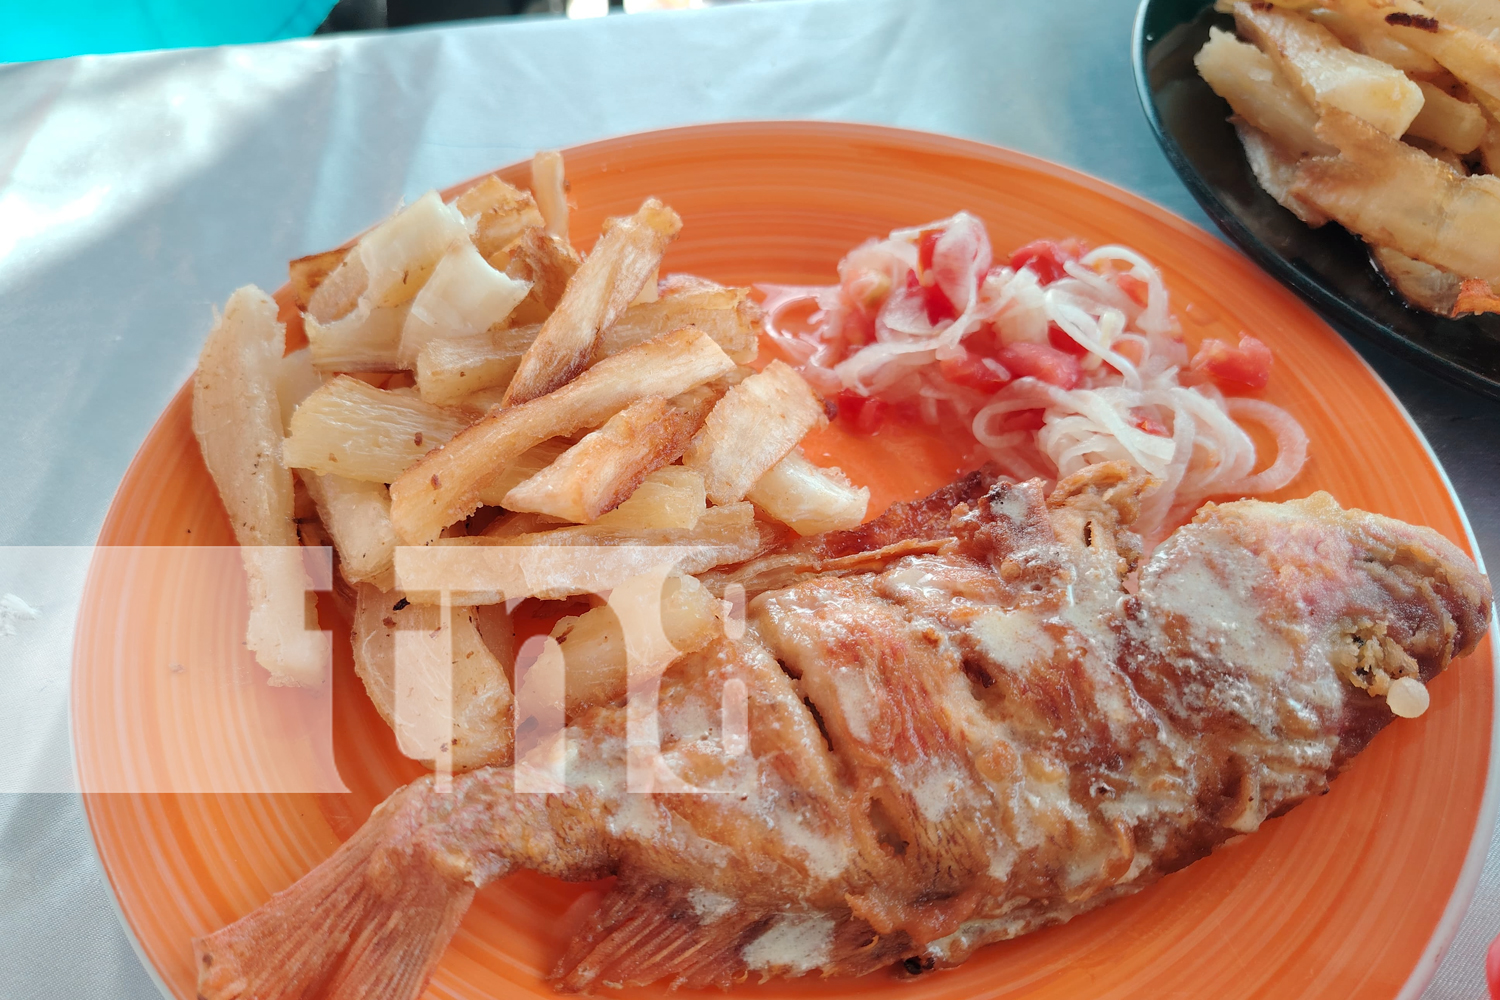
{"x": 956, "y": 746}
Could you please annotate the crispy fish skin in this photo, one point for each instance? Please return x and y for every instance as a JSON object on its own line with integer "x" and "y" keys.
{"x": 963, "y": 746}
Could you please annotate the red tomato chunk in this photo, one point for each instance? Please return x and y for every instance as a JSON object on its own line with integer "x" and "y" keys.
{"x": 972, "y": 372}
{"x": 1041, "y": 362}
{"x": 1247, "y": 365}
{"x": 1047, "y": 257}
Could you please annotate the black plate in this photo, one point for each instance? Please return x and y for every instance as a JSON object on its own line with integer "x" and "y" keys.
{"x": 1328, "y": 266}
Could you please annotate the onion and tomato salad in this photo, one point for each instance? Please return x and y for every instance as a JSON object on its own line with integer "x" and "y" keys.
{"x": 1056, "y": 357}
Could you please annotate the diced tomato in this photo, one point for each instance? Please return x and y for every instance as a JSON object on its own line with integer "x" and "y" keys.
{"x": 1059, "y": 339}
{"x": 972, "y": 372}
{"x": 1042, "y": 362}
{"x": 935, "y": 301}
{"x": 1023, "y": 420}
{"x": 940, "y": 308}
{"x": 1247, "y": 365}
{"x": 862, "y": 414}
{"x": 926, "y": 244}
{"x": 857, "y": 327}
{"x": 984, "y": 341}
{"x": 1130, "y": 350}
{"x": 1143, "y": 419}
{"x": 1138, "y": 290}
{"x": 1047, "y": 257}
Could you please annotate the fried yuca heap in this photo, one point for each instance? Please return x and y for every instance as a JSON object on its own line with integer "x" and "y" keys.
{"x": 1381, "y": 116}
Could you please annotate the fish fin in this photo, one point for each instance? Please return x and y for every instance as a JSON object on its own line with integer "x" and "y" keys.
{"x": 371, "y": 921}
{"x": 643, "y": 934}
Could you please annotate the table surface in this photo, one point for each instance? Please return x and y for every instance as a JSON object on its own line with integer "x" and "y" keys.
{"x": 137, "y": 191}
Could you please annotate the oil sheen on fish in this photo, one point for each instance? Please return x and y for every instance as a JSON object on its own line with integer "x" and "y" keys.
{"x": 999, "y": 718}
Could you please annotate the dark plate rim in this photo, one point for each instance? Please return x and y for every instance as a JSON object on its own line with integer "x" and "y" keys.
{"x": 1345, "y": 315}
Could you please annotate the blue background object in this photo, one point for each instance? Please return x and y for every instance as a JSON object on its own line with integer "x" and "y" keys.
{"x": 38, "y": 29}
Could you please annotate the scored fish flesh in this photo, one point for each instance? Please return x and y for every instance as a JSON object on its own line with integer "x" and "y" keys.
{"x": 979, "y": 715}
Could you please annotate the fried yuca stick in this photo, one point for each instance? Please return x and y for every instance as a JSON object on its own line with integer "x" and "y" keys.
{"x": 1275, "y": 170}
{"x": 450, "y": 370}
{"x": 670, "y": 497}
{"x": 568, "y": 561}
{"x": 453, "y": 371}
{"x": 305, "y": 274}
{"x": 1465, "y": 53}
{"x": 1247, "y": 78}
{"x": 527, "y": 464}
{"x": 752, "y": 428}
{"x": 237, "y": 421}
{"x": 1327, "y": 74}
{"x": 1447, "y": 121}
{"x": 466, "y": 690}
{"x": 625, "y": 256}
{"x": 593, "y": 644}
{"x": 1395, "y": 195}
{"x": 446, "y": 485}
{"x": 604, "y": 468}
{"x": 808, "y": 499}
{"x": 550, "y": 188}
{"x": 500, "y": 212}
{"x": 728, "y": 315}
{"x": 357, "y": 515}
{"x": 548, "y": 263}
{"x": 1373, "y": 41}
{"x": 350, "y": 428}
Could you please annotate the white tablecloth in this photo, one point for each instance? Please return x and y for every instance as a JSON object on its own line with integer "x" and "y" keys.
{"x": 137, "y": 191}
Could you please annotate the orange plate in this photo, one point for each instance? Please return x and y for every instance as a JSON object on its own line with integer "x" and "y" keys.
{"x": 1355, "y": 894}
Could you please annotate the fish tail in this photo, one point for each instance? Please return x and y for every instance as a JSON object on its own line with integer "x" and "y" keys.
{"x": 370, "y": 922}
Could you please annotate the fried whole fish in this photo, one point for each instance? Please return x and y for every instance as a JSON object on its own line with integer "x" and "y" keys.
{"x": 1009, "y": 722}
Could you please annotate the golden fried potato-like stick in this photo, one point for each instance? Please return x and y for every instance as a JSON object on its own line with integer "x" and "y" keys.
{"x": 1464, "y": 52}
{"x": 548, "y": 263}
{"x": 446, "y": 485}
{"x": 604, "y": 468}
{"x": 809, "y": 499}
{"x": 1482, "y": 16}
{"x": 549, "y": 186}
{"x": 601, "y": 289}
{"x": 593, "y": 643}
{"x": 1327, "y": 74}
{"x": 357, "y": 516}
{"x": 671, "y": 497}
{"x": 1447, "y": 121}
{"x": 531, "y": 461}
{"x": 752, "y": 428}
{"x": 237, "y": 421}
{"x": 1247, "y": 78}
{"x": 350, "y": 428}
{"x": 448, "y": 371}
{"x": 567, "y": 561}
{"x": 729, "y": 315}
{"x": 1276, "y": 170}
{"x": 1397, "y": 196}
{"x": 466, "y": 689}
{"x": 464, "y": 298}
{"x": 501, "y": 213}
{"x": 1373, "y": 41}
{"x": 451, "y": 373}
{"x": 305, "y": 274}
